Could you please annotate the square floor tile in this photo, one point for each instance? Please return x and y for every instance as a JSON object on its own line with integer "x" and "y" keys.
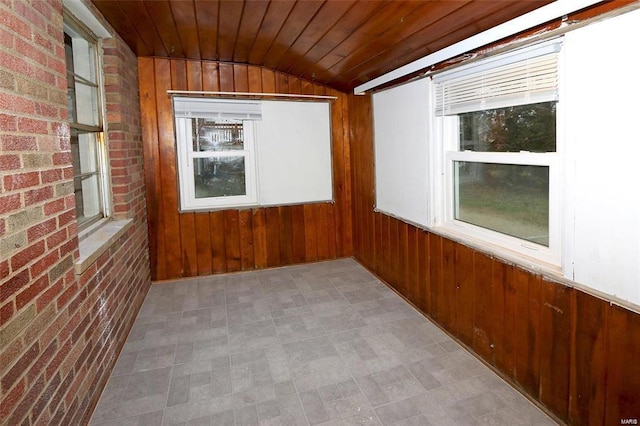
{"x": 315, "y": 344}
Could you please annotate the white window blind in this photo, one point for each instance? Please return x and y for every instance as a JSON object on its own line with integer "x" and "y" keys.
{"x": 219, "y": 108}
{"x": 522, "y": 77}
{"x": 401, "y": 143}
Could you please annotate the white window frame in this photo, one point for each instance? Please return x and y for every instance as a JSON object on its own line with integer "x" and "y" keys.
{"x": 446, "y": 152}
{"x": 187, "y": 157}
{"x": 99, "y": 148}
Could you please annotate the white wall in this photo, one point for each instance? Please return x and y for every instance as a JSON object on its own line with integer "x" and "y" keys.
{"x": 601, "y": 100}
{"x": 401, "y": 135}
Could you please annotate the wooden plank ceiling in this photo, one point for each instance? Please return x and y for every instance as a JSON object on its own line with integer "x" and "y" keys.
{"x": 339, "y": 43}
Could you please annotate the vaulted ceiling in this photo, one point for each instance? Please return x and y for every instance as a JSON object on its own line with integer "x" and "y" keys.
{"x": 340, "y": 43}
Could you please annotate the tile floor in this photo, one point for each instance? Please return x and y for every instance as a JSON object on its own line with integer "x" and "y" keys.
{"x": 317, "y": 344}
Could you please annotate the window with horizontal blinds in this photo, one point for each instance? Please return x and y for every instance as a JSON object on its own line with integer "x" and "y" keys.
{"x": 217, "y": 109}
{"x": 525, "y": 76}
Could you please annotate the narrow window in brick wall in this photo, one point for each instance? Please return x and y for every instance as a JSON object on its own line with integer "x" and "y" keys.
{"x": 84, "y": 95}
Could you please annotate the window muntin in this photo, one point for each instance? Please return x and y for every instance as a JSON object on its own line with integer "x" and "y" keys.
{"x": 500, "y": 155}
{"x": 85, "y": 119}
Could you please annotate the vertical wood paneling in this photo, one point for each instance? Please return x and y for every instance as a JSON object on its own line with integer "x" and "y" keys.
{"x": 187, "y": 75}
{"x": 588, "y": 353}
{"x": 393, "y": 264}
{"x": 189, "y": 244}
{"x": 411, "y": 271}
{"x": 268, "y": 81}
{"x": 286, "y": 235}
{"x": 210, "y": 77}
{"x": 170, "y": 224}
{"x": 342, "y": 144}
{"x": 260, "y": 238}
{"x": 311, "y": 232}
{"x": 498, "y": 285}
{"x": 299, "y": 246}
{"x": 218, "y": 245}
{"x": 385, "y": 248}
{"x": 232, "y": 240}
{"x": 321, "y": 223}
{"x": 203, "y": 244}
{"x": 240, "y": 78}
{"x": 623, "y": 373}
{"x": 527, "y": 325}
{"x": 149, "y": 121}
{"x": 225, "y": 73}
{"x": 332, "y": 239}
{"x": 254, "y": 77}
{"x": 465, "y": 293}
{"x": 282, "y": 83}
{"x": 434, "y": 298}
{"x": 273, "y": 236}
{"x": 192, "y": 244}
{"x": 483, "y": 306}
{"x": 555, "y": 333}
{"x": 247, "y": 254}
{"x": 423, "y": 271}
{"x": 510, "y": 316}
{"x": 376, "y": 251}
{"x": 403, "y": 259}
{"x": 449, "y": 285}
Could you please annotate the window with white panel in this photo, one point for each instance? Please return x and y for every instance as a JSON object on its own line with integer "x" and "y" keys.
{"x": 241, "y": 153}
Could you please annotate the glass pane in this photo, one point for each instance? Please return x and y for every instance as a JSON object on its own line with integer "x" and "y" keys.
{"x": 86, "y": 99}
{"x": 87, "y": 195}
{"x": 82, "y": 90}
{"x": 512, "y": 129}
{"x": 84, "y": 58}
{"x": 507, "y": 198}
{"x": 71, "y": 92}
{"x": 219, "y": 176}
{"x": 84, "y": 152}
{"x": 217, "y": 135}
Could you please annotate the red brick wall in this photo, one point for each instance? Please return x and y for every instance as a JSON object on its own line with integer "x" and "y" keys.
{"x": 60, "y": 333}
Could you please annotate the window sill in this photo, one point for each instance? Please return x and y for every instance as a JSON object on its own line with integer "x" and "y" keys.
{"x": 97, "y": 240}
{"x": 506, "y": 254}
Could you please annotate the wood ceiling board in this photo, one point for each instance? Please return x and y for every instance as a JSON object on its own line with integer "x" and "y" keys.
{"x": 185, "y": 17}
{"x": 374, "y": 36}
{"x": 207, "y": 13}
{"x": 162, "y": 18}
{"x": 360, "y": 13}
{"x": 297, "y": 21}
{"x": 229, "y": 18}
{"x": 361, "y": 59}
{"x": 112, "y": 12}
{"x": 341, "y": 43}
{"x": 273, "y": 21}
{"x": 451, "y": 29}
{"x": 252, "y": 17}
{"x": 330, "y": 13}
{"x": 137, "y": 12}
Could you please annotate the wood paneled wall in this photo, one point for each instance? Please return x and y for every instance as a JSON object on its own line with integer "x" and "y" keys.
{"x": 203, "y": 243}
{"x": 576, "y": 354}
